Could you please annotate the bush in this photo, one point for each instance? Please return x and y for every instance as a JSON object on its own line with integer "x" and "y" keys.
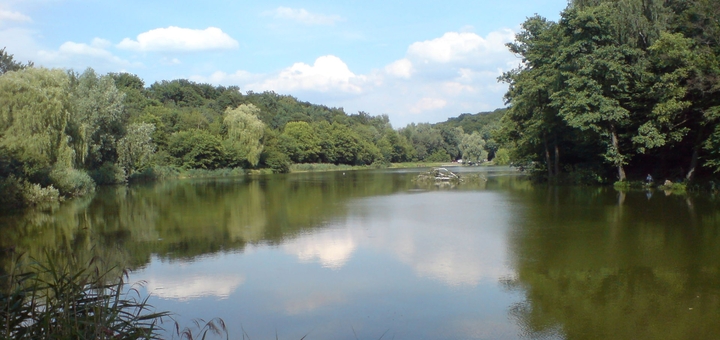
{"x": 439, "y": 156}
{"x": 72, "y": 182}
{"x": 18, "y": 193}
{"x": 155, "y": 173}
{"x": 277, "y": 161}
{"x": 108, "y": 174}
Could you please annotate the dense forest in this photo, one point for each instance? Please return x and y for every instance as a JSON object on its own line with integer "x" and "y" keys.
{"x": 616, "y": 90}
{"x": 63, "y": 132}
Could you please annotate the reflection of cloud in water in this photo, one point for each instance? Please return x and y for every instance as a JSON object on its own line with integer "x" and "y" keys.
{"x": 332, "y": 248}
{"x": 456, "y": 238}
{"x": 304, "y": 304}
{"x": 187, "y": 281}
{"x": 192, "y": 287}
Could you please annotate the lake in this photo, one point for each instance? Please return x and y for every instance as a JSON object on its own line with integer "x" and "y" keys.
{"x": 372, "y": 254}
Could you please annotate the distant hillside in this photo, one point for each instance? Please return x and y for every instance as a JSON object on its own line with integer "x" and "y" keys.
{"x": 474, "y": 122}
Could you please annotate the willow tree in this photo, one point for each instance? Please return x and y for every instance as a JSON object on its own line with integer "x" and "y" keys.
{"x": 33, "y": 117}
{"x": 472, "y": 147}
{"x": 244, "y": 134}
{"x": 136, "y": 148}
{"x": 96, "y": 119}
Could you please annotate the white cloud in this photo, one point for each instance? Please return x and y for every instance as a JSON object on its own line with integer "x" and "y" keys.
{"x": 303, "y": 16}
{"x": 461, "y": 47}
{"x": 6, "y": 15}
{"x": 328, "y": 74}
{"x": 100, "y": 43}
{"x": 238, "y": 78}
{"x": 72, "y": 54}
{"x": 428, "y": 104}
{"x": 402, "y": 68}
{"x": 176, "y": 39}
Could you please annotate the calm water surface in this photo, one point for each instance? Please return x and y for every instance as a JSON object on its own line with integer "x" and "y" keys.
{"x": 371, "y": 254}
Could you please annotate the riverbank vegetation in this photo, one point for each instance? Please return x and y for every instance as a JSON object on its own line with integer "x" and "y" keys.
{"x": 618, "y": 90}
{"x": 63, "y": 132}
{"x": 613, "y": 91}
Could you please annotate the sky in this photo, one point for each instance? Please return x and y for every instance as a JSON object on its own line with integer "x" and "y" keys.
{"x": 416, "y": 61}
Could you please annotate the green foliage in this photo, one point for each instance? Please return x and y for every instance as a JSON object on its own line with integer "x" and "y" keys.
{"x": 196, "y": 149}
{"x": 502, "y": 157}
{"x": 277, "y": 161}
{"x": 108, "y": 174}
{"x": 136, "y": 148}
{"x": 96, "y": 119}
{"x": 72, "y": 182}
{"x": 472, "y": 147}
{"x": 244, "y": 134}
{"x": 300, "y": 142}
{"x": 33, "y": 118}
{"x": 8, "y": 63}
{"x": 624, "y": 83}
{"x": 18, "y": 193}
{"x": 439, "y": 156}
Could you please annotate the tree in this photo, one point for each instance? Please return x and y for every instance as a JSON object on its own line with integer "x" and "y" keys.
{"x": 603, "y": 82}
{"x": 8, "y": 63}
{"x": 300, "y": 142}
{"x": 244, "y": 133}
{"x": 97, "y": 118}
{"x": 136, "y": 148}
{"x": 197, "y": 149}
{"x": 33, "y": 117}
{"x": 473, "y": 148}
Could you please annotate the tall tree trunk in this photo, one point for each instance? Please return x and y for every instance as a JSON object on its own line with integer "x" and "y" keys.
{"x": 695, "y": 155}
{"x": 557, "y": 157}
{"x": 693, "y": 164}
{"x": 547, "y": 158}
{"x": 616, "y": 145}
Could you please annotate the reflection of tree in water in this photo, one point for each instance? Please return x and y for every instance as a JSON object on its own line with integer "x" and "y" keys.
{"x": 184, "y": 219}
{"x": 592, "y": 266}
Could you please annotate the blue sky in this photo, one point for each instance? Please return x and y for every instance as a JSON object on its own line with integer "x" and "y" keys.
{"x": 416, "y": 61}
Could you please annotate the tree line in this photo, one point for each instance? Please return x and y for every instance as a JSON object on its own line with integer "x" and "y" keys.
{"x": 63, "y": 132}
{"x": 618, "y": 89}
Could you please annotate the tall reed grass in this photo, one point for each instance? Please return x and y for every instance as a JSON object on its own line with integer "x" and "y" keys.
{"x": 50, "y": 300}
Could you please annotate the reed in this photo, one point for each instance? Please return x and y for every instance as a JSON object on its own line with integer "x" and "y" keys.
{"x": 53, "y": 301}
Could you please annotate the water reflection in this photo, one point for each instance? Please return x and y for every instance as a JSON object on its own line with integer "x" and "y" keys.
{"x": 634, "y": 268}
{"x": 184, "y": 282}
{"x": 372, "y": 252}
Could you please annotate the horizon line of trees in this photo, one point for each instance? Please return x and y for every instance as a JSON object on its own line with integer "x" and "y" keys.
{"x": 63, "y": 132}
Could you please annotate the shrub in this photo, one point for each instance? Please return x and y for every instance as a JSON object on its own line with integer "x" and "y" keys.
{"x": 72, "y": 182}
{"x": 17, "y": 193}
{"x": 108, "y": 174}
{"x": 277, "y": 161}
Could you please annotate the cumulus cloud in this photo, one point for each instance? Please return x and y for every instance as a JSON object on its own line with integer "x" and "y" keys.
{"x": 177, "y": 39}
{"x": 303, "y": 16}
{"x": 83, "y": 55}
{"x": 428, "y": 104}
{"x": 402, "y": 68}
{"x": 461, "y": 47}
{"x": 6, "y": 15}
{"x": 328, "y": 74}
